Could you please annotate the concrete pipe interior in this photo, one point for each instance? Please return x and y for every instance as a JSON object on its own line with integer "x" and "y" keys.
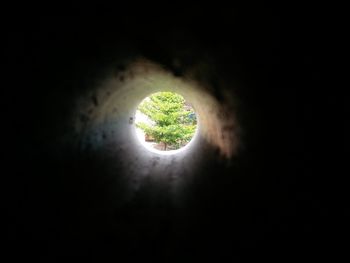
{"x": 104, "y": 122}
{"x": 81, "y": 175}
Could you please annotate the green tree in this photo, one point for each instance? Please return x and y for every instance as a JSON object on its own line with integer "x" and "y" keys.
{"x": 172, "y": 122}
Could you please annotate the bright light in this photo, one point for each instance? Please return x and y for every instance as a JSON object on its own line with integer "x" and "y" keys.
{"x": 165, "y": 123}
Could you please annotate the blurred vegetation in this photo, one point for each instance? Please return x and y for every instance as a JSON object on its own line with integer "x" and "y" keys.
{"x": 172, "y": 121}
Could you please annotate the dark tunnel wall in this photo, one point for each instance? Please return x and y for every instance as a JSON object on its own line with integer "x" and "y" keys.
{"x": 249, "y": 194}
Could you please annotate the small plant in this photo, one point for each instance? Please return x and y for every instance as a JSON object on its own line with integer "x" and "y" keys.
{"x": 172, "y": 121}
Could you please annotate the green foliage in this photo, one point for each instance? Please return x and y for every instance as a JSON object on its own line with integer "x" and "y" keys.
{"x": 172, "y": 121}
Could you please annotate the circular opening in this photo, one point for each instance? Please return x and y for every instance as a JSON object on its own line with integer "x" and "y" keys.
{"x": 165, "y": 122}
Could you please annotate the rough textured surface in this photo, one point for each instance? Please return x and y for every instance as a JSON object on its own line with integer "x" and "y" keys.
{"x": 79, "y": 184}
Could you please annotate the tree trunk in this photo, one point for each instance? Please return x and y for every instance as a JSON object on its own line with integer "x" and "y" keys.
{"x": 165, "y": 146}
